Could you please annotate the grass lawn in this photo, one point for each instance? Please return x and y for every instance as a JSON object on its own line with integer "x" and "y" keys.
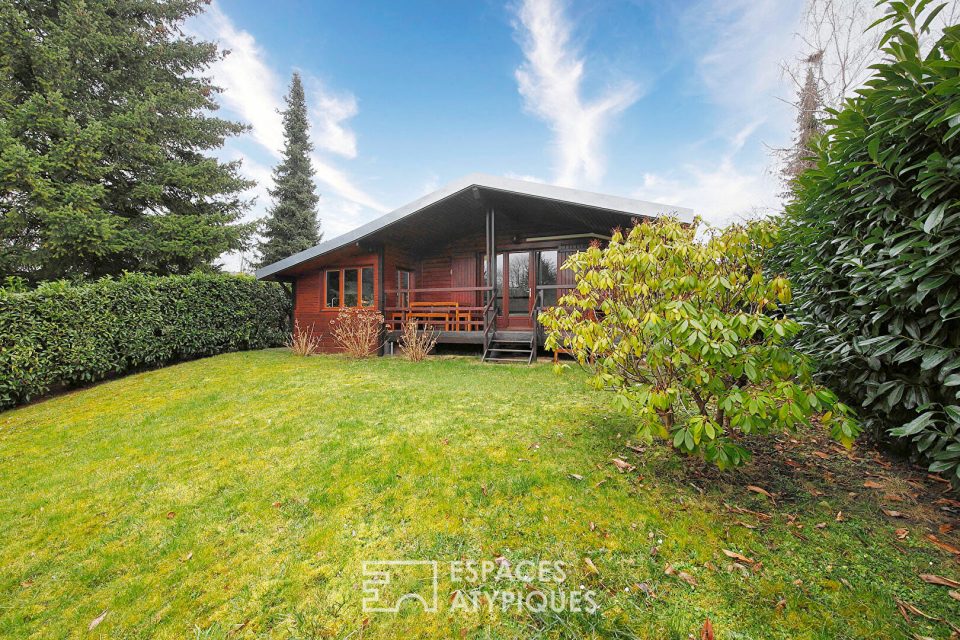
{"x": 236, "y": 497}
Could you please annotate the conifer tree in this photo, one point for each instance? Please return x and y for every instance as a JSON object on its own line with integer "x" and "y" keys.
{"x": 292, "y": 225}
{"x": 106, "y": 134}
{"x": 798, "y": 157}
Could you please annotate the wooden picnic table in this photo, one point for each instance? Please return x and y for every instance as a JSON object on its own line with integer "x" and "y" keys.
{"x": 427, "y": 311}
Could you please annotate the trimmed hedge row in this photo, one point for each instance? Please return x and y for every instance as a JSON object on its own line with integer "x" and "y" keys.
{"x": 62, "y": 334}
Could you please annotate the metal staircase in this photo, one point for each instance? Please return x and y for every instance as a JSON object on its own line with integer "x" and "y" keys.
{"x": 511, "y": 346}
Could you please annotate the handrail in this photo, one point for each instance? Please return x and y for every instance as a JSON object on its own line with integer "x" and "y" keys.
{"x": 439, "y": 290}
{"x": 535, "y": 316}
{"x": 489, "y": 321}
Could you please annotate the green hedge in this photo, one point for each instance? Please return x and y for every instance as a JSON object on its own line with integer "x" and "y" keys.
{"x": 872, "y": 245}
{"x": 61, "y": 334}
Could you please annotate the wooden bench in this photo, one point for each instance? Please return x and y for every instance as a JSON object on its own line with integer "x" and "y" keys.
{"x": 426, "y": 311}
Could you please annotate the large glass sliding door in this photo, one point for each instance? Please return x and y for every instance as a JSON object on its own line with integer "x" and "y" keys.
{"x": 514, "y": 285}
{"x": 518, "y": 284}
{"x": 547, "y": 270}
{"x": 519, "y": 273}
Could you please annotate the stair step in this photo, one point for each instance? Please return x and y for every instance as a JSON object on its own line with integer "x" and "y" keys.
{"x": 490, "y": 359}
{"x": 504, "y": 349}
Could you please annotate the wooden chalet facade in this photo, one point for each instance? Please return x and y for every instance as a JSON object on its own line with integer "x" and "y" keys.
{"x": 428, "y": 261}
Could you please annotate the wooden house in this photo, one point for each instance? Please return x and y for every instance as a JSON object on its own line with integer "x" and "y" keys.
{"x": 429, "y": 262}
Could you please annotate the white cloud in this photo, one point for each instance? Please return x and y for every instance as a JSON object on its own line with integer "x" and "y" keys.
{"x": 721, "y": 191}
{"x": 329, "y": 112}
{"x": 719, "y": 194}
{"x": 430, "y": 184}
{"x": 250, "y": 88}
{"x": 746, "y": 41}
{"x": 737, "y": 46}
{"x": 524, "y": 176}
{"x": 550, "y": 81}
{"x": 254, "y": 91}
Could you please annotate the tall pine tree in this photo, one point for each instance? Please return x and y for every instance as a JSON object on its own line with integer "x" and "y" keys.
{"x": 292, "y": 223}
{"x": 105, "y": 139}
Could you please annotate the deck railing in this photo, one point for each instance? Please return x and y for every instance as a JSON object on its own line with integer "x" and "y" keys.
{"x": 442, "y": 309}
{"x": 439, "y": 308}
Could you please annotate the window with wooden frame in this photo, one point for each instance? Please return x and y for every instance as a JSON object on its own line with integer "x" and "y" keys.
{"x": 350, "y": 287}
{"x": 404, "y": 284}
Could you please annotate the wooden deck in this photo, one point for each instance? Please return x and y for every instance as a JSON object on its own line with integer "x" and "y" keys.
{"x": 467, "y": 337}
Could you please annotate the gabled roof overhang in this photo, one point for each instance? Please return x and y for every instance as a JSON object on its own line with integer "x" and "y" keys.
{"x": 480, "y": 188}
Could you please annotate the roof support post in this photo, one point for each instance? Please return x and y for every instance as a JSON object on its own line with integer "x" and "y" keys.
{"x": 491, "y": 252}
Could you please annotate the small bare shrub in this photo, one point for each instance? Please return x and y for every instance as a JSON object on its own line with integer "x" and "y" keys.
{"x": 416, "y": 344}
{"x": 358, "y": 332}
{"x": 303, "y": 342}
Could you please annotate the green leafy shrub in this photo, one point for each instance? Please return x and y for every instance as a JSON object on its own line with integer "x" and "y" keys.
{"x": 872, "y": 243}
{"x": 690, "y": 337}
{"x": 62, "y": 334}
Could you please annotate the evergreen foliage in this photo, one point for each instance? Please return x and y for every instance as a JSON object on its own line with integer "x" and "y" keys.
{"x": 872, "y": 242}
{"x": 61, "y": 334}
{"x": 106, "y": 136}
{"x": 292, "y": 223}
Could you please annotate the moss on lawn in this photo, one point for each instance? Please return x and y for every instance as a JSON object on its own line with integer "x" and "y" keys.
{"x": 236, "y": 497}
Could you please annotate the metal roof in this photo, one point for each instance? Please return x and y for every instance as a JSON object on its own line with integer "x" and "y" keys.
{"x": 628, "y": 207}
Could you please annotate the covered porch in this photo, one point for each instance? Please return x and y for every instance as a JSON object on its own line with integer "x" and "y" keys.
{"x": 476, "y": 261}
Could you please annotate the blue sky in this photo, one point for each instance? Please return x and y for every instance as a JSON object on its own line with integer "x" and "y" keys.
{"x": 677, "y": 102}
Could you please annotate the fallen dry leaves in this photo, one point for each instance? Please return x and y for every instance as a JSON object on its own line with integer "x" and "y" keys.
{"x": 906, "y": 609}
{"x": 622, "y": 465}
{"x": 943, "y": 545}
{"x": 738, "y": 556}
{"x": 760, "y": 490}
{"x": 892, "y": 513}
{"x": 706, "y": 633}
{"x": 871, "y": 484}
{"x": 96, "y": 621}
{"x": 757, "y": 514}
{"x": 930, "y": 578}
{"x": 683, "y": 575}
{"x": 591, "y": 568}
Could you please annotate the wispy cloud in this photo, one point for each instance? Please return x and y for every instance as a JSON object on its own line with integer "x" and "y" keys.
{"x": 719, "y": 193}
{"x": 254, "y": 91}
{"x": 551, "y": 83}
{"x": 737, "y": 47}
{"x": 329, "y": 112}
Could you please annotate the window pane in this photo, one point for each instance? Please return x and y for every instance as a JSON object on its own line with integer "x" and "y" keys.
{"x": 333, "y": 288}
{"x": 366, "y": 281}
{"x": 519, "y": 283}
{"x": 547, "y": 274}
{"x": 350, "y": 287}
{"x": 403, "y": 282}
